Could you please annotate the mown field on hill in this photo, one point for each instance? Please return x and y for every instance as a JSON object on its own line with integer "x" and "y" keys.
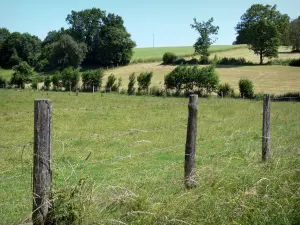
{"x": 156, "y": 54}
{"x": 129, "y": 150}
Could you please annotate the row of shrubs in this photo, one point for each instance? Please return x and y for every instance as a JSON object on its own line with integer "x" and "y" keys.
{"x": 170, "y": 58}
{"x": 285, "y": 62}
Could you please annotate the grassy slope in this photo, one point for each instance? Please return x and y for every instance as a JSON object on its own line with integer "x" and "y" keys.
{"x": 139, "y": 179}
{"x": 157, "y": 53}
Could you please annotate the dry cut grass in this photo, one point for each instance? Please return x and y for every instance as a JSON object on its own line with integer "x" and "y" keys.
{"x": 266, "y": 79}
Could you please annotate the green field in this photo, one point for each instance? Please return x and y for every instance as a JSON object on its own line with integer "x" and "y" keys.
{"x": 132, "y": 157}
{"x": 156, "y": 54}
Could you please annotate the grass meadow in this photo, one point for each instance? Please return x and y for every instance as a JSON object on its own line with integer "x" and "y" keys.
{"x": 129, "y": 150}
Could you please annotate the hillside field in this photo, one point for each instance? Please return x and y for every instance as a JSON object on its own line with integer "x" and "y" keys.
{"x": 130, "y": 152}
{"x": 156, "y": 54}
{"x": 267, "y": 79}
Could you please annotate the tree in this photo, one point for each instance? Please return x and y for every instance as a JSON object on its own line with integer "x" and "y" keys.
{"x": 23, "y": 46}
{"x": 294, "y": 34}
{"x": 205, "y": 40}
{"x": 70, "y": 78}
{"x": 263, "y": 39}
{"x": 21, "y": 75}
{"x": 107, "y": 40}
{"x": 67, "y": 52}
{"x": 259, "y": 12}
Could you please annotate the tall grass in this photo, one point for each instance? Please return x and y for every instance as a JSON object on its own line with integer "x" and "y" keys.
{"x": 133, "y": 158}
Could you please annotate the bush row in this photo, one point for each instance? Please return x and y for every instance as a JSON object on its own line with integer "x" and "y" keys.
{"x": 192, "y": 79}
{"x": 285, "y": 62}
{"x": 170, "y": 58}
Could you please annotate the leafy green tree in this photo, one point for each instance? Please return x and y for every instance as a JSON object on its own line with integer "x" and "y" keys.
{"x": 92, "y": 78}
{"x": 206, "y": 31}
{"x": 22, "y": 74}
{"x": 67, "y": 52}
{"x": 264, "y": 39}
{"x": 259, "y": 12}
{"x": 107, "y": 40}
{"x": 24, "y": 46}
{"x": 294, "y": 34}
{"x": 70, "y": 78}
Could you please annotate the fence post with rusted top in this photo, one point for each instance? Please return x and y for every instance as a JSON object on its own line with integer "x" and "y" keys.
{"x": 190, "y": 149}
{"x": 42, "y": 171}
{"x": 266, "y": 128}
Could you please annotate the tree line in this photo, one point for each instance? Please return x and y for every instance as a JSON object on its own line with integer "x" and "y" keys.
{"x": 262, "y": 27}
{"x": 93, "y": 38}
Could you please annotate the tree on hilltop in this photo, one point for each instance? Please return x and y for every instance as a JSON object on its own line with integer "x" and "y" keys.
{"x": 206, "y": 31}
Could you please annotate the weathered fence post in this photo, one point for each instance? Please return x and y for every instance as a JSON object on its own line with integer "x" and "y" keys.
{"x": 93, "y": 89}
{"x": 42, "y": 172}
{"x": 190, "y": 148}
{"x": 266, "y": 128}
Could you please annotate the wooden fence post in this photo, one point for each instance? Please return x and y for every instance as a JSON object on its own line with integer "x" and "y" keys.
{"x": 42, "y": 172}
{"x": 190, "y": 148}
{"x": 266, "y": 128}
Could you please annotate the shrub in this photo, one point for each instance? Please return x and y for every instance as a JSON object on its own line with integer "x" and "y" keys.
{"x": 92, "y": 78}
{"x": 156, "y": 91}
{"x": 225, "y": 90}
{"x": 34, "y": 83}
{"x": 117, "y": 86}
{"x": 110, "y": 81}
{"x": 169, "y": 58}
{"x": 47, "y": 82}
{"x": 246, "y": 88}
{"x": 144, "y": 80}
{"x": 131, "y": 84}
{"x": 184, "y": 77}
{"x": 193, "y": 61}
{"x": 206, "y": 79}
{"x": 180, "y": 61}
{"x": 295, "y": 62}
{"x": 233, "y": 61}
{"x": 22, "y": 74}
{"x": 70, "y": 78}
{"x": 2, "y": 82}
{"x": 56, "y": 81}
{"x": 176, "y": 78}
